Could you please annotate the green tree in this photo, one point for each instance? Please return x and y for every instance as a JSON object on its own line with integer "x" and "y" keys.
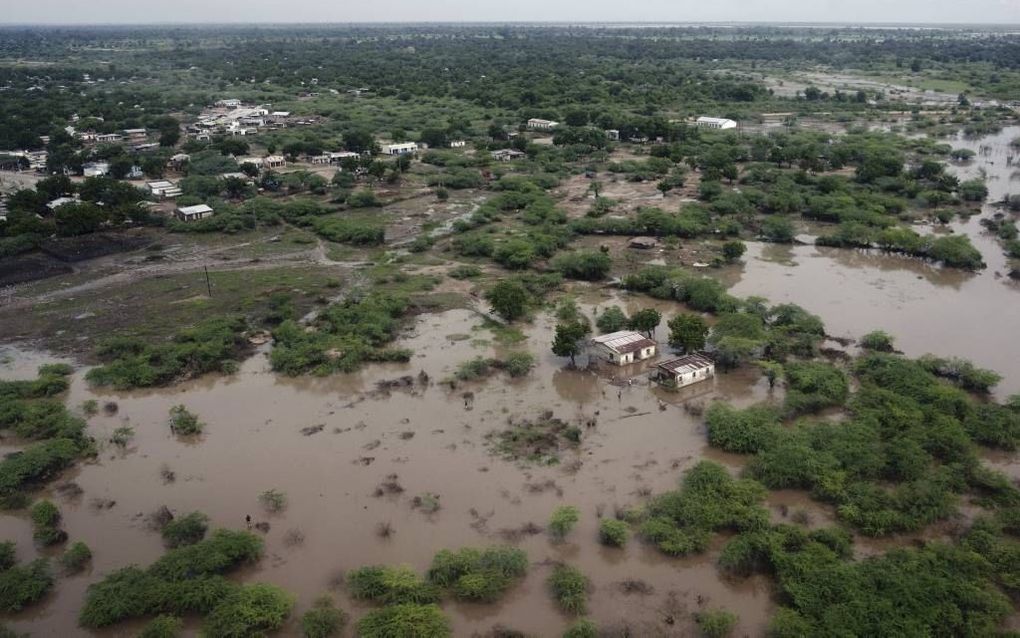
{"x": 611, "y": 320}
{"x": 687, "y": 332}
{"x": 568, "y": 340}
{"x": 733, "y": 250}
{"x": 646, "y": 321}
{"x": 509, "y": 299}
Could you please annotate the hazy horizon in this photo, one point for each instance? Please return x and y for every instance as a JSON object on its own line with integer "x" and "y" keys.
{"x": 220, "y": 12}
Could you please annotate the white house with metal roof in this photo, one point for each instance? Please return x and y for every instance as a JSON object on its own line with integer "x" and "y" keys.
{"x": 193, "y": 213}
{"x": 623, "y": 347}
{"x": 683, "y": 371}
{"x": 719, "y": 123}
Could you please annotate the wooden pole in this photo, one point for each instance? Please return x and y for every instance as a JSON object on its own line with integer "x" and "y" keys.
{"x": 208, "y": 284}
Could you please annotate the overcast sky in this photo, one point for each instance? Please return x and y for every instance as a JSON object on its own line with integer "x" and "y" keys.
{"x": 241, "y": 11}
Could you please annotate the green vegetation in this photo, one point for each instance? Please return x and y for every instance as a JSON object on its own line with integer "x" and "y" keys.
{"x": 273, "y": 500}
{"x": 563, "y": 520}
{"x": 248, "y": 610}
{"x": 570, "y": 589}
{"x": 509, "y": 299}
{"x": 183, "y": 422}
{"x": 613, "y": 532}
{"x": 163, "y": 626}
{"x": 812, "y": 386}
{"x": 877, "y": 341}
{"x": 45, "y": 523}
{"x": 75, "y": 557}
{"x": 582, "y": 628}
{"x": 323, "y": 620}
{"x": 185, "y": 580}
{"x": 346, "y": 335}
{"x": 612, "y": 319}
{"x": 709, "y": 499}
{"x": 535, "y": 441}
{"x": 687, "y": 332}
{"x": 391, "y": 586}
{"x": 22, "y": 585}
{"x": 569, "y": 340}
{"x": 515, "y": 364}
{"x": 478, "y": 575}
{"x": 405, "y": 621}
{"x": 716, "y": 623}
{"x": 185, "y": 530}
{"x": 215, "y": 345}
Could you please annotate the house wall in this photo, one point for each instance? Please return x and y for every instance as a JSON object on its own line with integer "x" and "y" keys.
{"x": 683, "y": 380}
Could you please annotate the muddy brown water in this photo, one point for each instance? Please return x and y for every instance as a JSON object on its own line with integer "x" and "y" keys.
{"x": 253, "y": 443}
{"x": 943, "y": 311}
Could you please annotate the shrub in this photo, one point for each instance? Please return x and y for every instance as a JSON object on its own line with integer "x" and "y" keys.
{"x": 612, "y": 319}
{"x": 390, "y": 586}
{"x": 22, "y": 585}
{"x": 716, "y": 623}
{"x": 477, "y": 368}
{"x": 405, "y": 621}
{"x": 183, "y": 422}
{"x": 273, "y": 500}
{"x": 563, "y": 520}
{"x": 813, "y": 386}
{"x": 587, "y": 265}
{"x": 518, "y": 364}
{"x": 8, "y": 555}
{"x": 75, "y": 557}
{"x": 465, "y": 271}
{"x": 323, "y": 620}
{"x": 509, "y": 299}
{"x": 162, "y": 626}
{"x": 878, "y": 341}
{"x": 35, "y": 464}
{"x": 45, "y": 521}
{"x": 741, "y": 431}
{"x": 570, "y": 589}
{"x": 185, "y": 530}
{"x": 249, "y": 610}
{"x": 613, "y": 532}
{"x": 480, "y": 575}
{"x": 583, "y": 628}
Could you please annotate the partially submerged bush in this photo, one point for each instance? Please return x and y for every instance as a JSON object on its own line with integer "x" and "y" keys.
{"x": 183, "y": 422}
{"x": 613, "y": 532}
{"x": 22, "y": 585}
{"x": 562, "y": 521}
{"x": 582, "y": 628}
{"x": 570, "y": 589}
{"x": 323, "y": 620}
{"x": 878, "y": 341}
{"x": 185, "y": 530}
{"x": 212, "y": 345}
{"x": 163, "y": 626}
{"x": 273, "y": 500}
{"x": 479, "y": 575}
{"x": 75, "y": 557}
{"x": 390, "y": 585}
{"x": 249, "y": 610}
{"x": 46, "y": 522}
{"x": 405, "y": 621}
{"x": 716, "y": 623}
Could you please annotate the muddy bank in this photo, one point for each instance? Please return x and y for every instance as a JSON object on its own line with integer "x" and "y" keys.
{"x": 433, "y": 440}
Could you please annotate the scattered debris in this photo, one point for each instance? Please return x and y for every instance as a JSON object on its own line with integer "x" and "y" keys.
{"x": 313, "y": 429}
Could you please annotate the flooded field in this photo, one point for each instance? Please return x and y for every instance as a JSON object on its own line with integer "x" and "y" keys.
{"x": 928, "y": 309}
{"x": 432, "y": 439}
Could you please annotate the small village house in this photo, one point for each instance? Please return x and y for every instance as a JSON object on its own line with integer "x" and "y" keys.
{"x": 684, "y": 371}
{"x": 403, "y": 148}
{"x": 274, "y": 161}
{"x": 61, "y": 201}
{"x": 193, "y": 213}
{"x": 508, "y": 154}
{"x": 718, "y": 123}
{"x": 623, "y": 347}
{"x": 613, "y": 135}
{"x": 458, "y": 144}
{"x": 95, "y": 169}
{"x": 538, "y": 124}
{"x": 164, "y": 189}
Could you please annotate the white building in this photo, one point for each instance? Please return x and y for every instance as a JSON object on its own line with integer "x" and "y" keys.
{"x": 537, "y": 124}
{"x": 458, "y": 144}
{"x": 61, "y": 201}
{"x": 231, "y": 103}
{"x": 318, "y": 159}
{"x": 108, "y": 138}
{"x": 274, "y": 161}
{"x": 623, "y": 347}
{"x": 718, "y": 123}
{"x": 613, "y": 135}
{"x": 402, "y": 148}
{"x": 193, "y": 213}
{"x": 164, "y": 189}
{"x": 338, "y": 156}
{"x": 95, "y": 169}
{"x": 686, "y": 370}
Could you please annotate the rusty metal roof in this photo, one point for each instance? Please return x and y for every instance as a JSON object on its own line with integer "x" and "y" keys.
{"x": 685, "y": 364}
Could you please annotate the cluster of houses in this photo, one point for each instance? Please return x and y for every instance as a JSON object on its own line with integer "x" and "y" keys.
{"x": 626, "y": 347}
{"x": 233, "y": 117}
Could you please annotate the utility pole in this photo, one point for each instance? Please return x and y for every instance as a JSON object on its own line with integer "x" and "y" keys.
{"x": 208, "y": 284}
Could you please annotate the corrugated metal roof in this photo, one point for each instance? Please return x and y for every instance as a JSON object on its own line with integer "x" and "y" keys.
{"x": 685, "y": 364}
{"x": 624, "y": 341}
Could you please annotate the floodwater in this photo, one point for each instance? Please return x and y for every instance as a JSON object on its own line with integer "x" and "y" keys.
{"x": 433, "y": 439}
{"x": 943, "y": 311}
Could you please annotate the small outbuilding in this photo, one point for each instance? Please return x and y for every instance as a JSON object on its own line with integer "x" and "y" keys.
{"x": 718, "y": 123}
{"x": 193, "y": 213}
{"x": 683, "y": 371}
{"x": 624, "y": 347}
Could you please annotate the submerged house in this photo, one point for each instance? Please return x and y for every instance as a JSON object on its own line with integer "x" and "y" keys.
{"x": 623, "y": 347}
{"x": 684, "y": 371}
